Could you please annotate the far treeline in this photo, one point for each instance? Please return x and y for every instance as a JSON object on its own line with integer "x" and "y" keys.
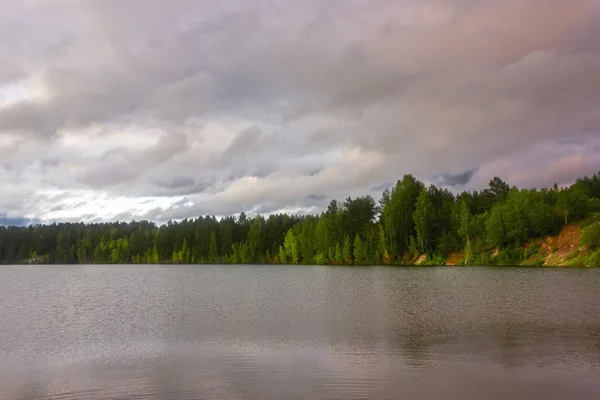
{"x": 411, "y": 222}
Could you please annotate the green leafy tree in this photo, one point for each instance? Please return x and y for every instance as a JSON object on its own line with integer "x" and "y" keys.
{"x": 282, "y": 255}
{"x": 360, "y": 256}
{"x": 185, "y": 252}
{"x": 590, "y": 236}
{"x": 347, "y": 251}
{"x": 321, "y": 259}
{"x": 498, "y": 189}
{"x": 572, "y": 203}
{"x": 154, "y": 258}
{"x": 235, "y": 254}
{"x": 408, "y": 220}
{"x": 291, "y": 247}
{"x": 244, "y": 254}
{"x": 339, "y": 257}
{"x": 464, "y": 223}
{"x": 423, "y": 217}
{"x": 398, "y": 212}
{"x": 255, "y": 238}
{"x": 465, "y": 228}
{"x": 496, "y": 226}
{"x": 306, "y": 241}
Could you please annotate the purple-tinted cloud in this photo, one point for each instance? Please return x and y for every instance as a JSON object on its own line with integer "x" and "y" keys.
{"x": 239, "y": 106}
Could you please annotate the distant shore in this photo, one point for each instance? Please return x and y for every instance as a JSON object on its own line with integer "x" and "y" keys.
{"x": 411, "y": 224}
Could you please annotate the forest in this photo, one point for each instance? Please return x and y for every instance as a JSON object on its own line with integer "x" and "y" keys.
{"x": 411, "y": 221}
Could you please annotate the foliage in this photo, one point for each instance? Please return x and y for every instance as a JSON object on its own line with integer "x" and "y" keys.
{"x": 483, "y": 258}
{"x": 435, "y": 259}
{"x": 592, "y": 260}
{"x": 291, "y": 247}
{"x": 213, "y": 256}
{"x": 572, "y": 203}
{"x": 593, "y": 205}
{"x": 530, "y": 251}
{"x": 423, "y": 217}
{"x": 508, "y": 256}
{"x": 347, "y": 251}
{"x": 524, "y": 215}
{"x": 573, "y": 260}
{"x": 409, "y": 220}
{"x": 590, "y": 236}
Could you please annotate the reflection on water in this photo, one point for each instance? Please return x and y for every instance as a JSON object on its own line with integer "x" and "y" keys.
{"x": 229, "y": 332}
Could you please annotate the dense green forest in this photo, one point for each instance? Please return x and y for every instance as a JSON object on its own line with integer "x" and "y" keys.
{"x": 410, "y": 221}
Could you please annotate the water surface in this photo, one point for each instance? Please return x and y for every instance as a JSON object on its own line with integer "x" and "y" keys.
{"x": 297, "y": 332}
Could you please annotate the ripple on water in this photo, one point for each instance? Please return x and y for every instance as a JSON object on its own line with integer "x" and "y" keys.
{"x": 244, "y": 332}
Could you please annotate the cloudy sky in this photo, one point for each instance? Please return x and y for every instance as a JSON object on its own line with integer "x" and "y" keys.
{"x": 131, "y": 109}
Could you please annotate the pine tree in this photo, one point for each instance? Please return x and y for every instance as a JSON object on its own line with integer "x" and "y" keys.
{"x": 213, "y": 256}
{"x": 176, "y": 257}
{"x": 320, "y": 259}
{"x": 359, "y": 251}
{"x": 235, "y": 254}
{"x": 244, "y": 254}
{"x": 185, "y": 252}
{"x": 339, "y": 257}
{"x": 155, "y": 258}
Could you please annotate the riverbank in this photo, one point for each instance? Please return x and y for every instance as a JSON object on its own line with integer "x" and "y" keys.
{"x": 562, "y": 250}
{"x": 565, "y": 249}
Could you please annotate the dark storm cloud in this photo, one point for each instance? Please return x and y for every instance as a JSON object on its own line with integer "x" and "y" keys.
{"x": 261, "y": 105}
{"x": 459, "y": 179}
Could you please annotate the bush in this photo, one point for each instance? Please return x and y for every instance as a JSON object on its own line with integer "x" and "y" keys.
{"x": 594, "y": 205}
{"x": 593, "y": 260}
{"x": 320, "y": 259}
{"x": 590, "y": 236}
{"x": 534, "y": 263}
{"x": 436, "y": 259}
{"x": 483, "y": 258}
{"x": 591, "y": 219}
{"x": 573, "y": 260}
{"x": 530, "y": 251}
{"x": 509, "y": 256}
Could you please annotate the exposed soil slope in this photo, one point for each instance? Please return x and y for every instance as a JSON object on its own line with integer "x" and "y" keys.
{"x": 561, "y": 250}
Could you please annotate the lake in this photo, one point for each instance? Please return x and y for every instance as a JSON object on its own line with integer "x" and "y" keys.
{"x": 298, "y": 332}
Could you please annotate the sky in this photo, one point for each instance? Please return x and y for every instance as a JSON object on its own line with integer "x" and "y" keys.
{"x": 159, "y": 110}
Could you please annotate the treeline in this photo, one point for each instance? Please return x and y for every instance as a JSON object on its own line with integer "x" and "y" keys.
{"x": 411, "y": 220}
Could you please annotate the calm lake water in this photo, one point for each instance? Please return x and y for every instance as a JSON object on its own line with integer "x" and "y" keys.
{"x": 296, "y": 332}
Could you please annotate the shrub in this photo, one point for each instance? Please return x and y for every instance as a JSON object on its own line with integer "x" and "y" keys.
{"x": 436, "y": 259}
{"x": 573, "y": 260}
{"x": 320, "y": 259}
{"x": 530, "y": 251}
{"x": 592, "y": 260}
{"x": 534, "y": 263}
{"x": 509, "y": 256}
{"x": 594, "y": 205}
{"x": 590, "y": 236}
{"x": 483, "y": 258}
